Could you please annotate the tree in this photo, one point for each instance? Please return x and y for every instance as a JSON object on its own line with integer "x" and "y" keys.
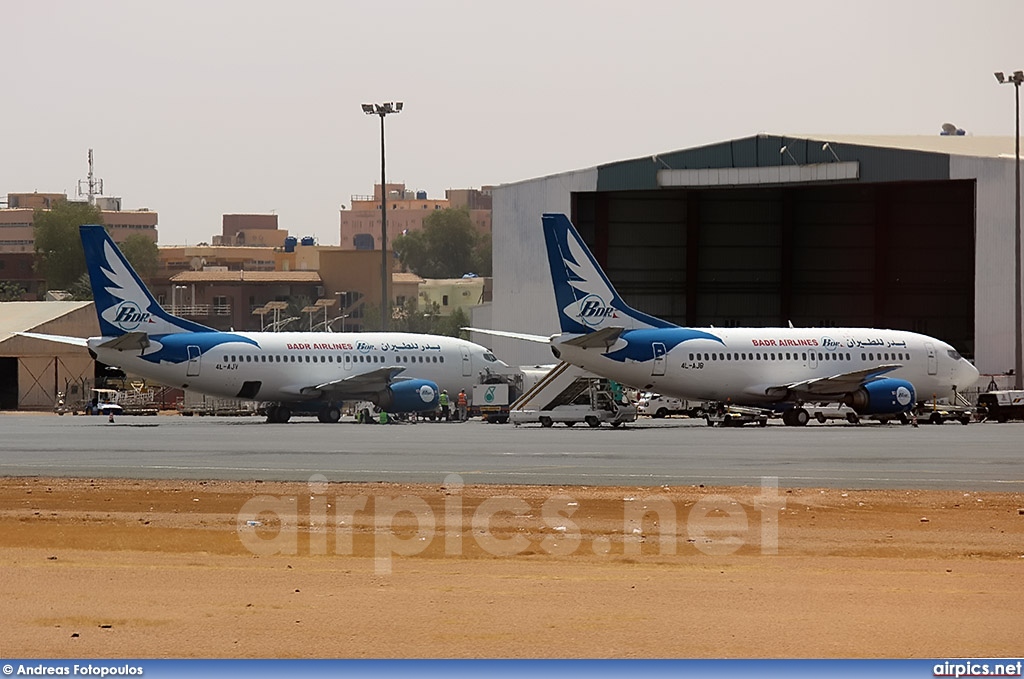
{"x": 448, "y": 246}
{"x": 81, "y": 289}
{"x": 142, "y": 253}
{"x": 10, "y": 291}
{"x": 59, "y": 255}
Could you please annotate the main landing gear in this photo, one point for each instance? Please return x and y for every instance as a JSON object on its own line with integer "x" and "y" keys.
{"x": 279, "y": 414}
{"x": 795, "y": 417}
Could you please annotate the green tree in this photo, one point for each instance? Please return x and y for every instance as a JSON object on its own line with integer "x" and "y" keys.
{"x": 59, "y": 255}
{"x": 142, "y": 253}
{"x": 448, "y": 246}
{"x": 10, "y": 291}
{"x": 81, "y": 288}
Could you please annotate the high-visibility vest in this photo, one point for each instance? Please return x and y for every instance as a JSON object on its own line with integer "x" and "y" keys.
{"x": 443, "y": 399}
{"x": 462, "y": 398}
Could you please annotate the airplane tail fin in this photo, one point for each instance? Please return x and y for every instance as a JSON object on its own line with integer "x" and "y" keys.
{"x": 586, "y": 299}
{"x": 123, "y": 304}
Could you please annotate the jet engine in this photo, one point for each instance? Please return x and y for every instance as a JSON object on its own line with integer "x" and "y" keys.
{"x": 409, "y": 396}
{"x": 886, "y": 396}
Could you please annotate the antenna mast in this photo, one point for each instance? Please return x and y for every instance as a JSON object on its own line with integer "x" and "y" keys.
{"x": 93, "y": 186}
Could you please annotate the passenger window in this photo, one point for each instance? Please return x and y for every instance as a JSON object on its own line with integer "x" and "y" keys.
{"x": 441, "y": 359}
{"x": 787, "y": 356}
{"x": 691, "y": 357}
{"x": 225, "y": 359}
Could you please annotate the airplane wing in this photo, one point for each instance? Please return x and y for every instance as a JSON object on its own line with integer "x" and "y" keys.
{"x": 834, "y": 386}
{"x": 357, "y": 386}
{"x": 63, "y": 339}
{"x": 513, "y": 335}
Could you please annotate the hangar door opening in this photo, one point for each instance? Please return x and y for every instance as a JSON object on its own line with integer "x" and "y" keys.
{"x": 8, "y": 383}
{"x": 893, "y": 255}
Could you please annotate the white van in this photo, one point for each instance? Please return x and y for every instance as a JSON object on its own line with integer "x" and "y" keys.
{"x": 656, "y": 405}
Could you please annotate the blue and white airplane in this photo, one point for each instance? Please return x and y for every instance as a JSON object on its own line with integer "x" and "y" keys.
{"x": 398, "y": 372}
{"x": 876, "y": 372}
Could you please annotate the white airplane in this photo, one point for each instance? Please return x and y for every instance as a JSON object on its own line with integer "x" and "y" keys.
{"x": 876, "y": 372}
{"x": 399, "y": 372}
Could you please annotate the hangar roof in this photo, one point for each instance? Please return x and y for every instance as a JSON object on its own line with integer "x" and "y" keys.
{"x": 778, "y": 158}
{"x": 967, "y": 145}
{"x": 25, "y": 316}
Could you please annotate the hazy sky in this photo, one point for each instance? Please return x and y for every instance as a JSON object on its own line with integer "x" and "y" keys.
{"x": 199, "y": 108}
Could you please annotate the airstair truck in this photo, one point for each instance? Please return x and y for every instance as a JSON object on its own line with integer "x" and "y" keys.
{"x": 571, "y": 395}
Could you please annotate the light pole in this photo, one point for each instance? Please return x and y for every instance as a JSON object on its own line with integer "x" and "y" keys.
{"x": 342, "y": 296}
{"x": 1018, "y": 350}
{"x": 385, "y": 271}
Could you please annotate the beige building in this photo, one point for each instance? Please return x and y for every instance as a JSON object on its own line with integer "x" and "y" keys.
{"x": 361, "y": 228}
{"x": 454, "y": 293}
{"x": 16, "y": 220}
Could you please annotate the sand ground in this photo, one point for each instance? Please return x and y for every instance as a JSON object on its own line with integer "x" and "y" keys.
{"x": 110, "y": 568}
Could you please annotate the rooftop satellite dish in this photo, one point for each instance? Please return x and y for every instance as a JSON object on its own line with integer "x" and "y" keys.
{"x": 197, "y": 263}
{"x": 949, "y": 128}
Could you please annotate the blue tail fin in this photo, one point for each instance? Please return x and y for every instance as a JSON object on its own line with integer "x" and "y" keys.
{"x": 585, "y": 297}
{"x": 123, "y": 303}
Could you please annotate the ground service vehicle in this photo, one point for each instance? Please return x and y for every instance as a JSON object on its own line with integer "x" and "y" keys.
{"x": 1002, "y": 405}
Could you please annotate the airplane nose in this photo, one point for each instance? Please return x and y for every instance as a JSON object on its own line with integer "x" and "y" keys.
{"x": 967, "y": 375}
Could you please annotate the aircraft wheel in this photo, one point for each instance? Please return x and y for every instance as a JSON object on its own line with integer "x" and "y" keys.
{"x": 965, "y": 420}
{"x": 284, "y": 414}
{"x": 798, "y": 417}
{"x": 271, "y": 414}
{"x": 935, "y": 418}
{"x": 330, "y": 414}
{"x": 593, "y": 421}
{"x": 903, "y": 418}
{"x": 616, "y": 425}
{"x": 820, "y": 417}
{"x": 853, "y": 418}
{"x": 546, "y": 421}
{"x": 570, "y": 424}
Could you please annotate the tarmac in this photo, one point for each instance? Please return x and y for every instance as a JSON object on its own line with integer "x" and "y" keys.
{"x": 979, "y": 457}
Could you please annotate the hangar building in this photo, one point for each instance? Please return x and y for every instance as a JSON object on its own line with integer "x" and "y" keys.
{"x": 32, "y": 371}
{"x": 913, "y": 233}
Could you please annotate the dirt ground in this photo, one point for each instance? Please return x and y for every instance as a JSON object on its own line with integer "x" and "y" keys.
{"x": 101, "y": 568}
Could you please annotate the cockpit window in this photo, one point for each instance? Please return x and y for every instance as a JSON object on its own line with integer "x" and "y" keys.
{"x": 490, "y": 357}
{"x": 953, "y": 354}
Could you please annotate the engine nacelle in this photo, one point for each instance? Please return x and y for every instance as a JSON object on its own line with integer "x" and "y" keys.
{"x": 409, "y": 396}
{"x": 886, "y": 396}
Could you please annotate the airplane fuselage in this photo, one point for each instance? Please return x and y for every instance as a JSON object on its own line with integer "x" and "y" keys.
{"x": 747, "y": 365}
{"x": 282, "y": 366}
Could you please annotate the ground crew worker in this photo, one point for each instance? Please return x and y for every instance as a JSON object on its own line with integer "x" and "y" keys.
{"x": 443, "y": 401}
{"x": 463, "y": 403}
